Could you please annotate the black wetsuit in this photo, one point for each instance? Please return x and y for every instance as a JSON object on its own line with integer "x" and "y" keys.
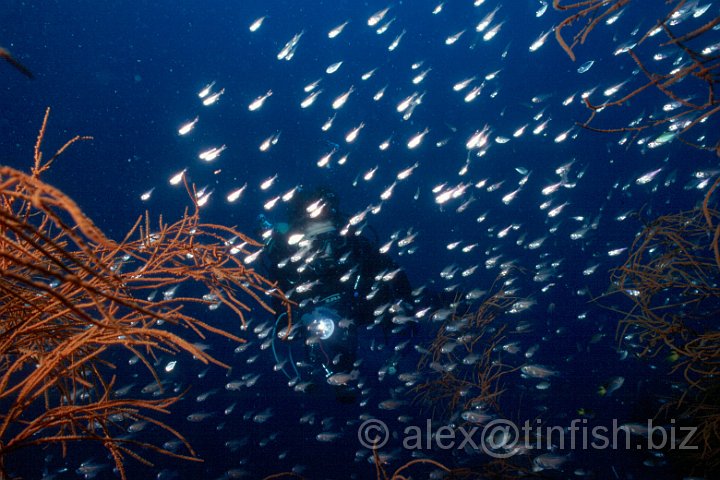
{"x": 338, "y": 276}
{"x": 326, "y": 273}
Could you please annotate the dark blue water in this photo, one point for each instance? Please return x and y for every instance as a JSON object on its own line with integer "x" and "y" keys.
{"x": 128, "y": 75}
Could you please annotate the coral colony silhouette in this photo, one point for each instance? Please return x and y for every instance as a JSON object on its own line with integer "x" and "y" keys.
{"x": 70, "y": 297}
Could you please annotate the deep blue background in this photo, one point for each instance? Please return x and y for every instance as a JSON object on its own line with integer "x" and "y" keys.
{"x": 128, "y": 73}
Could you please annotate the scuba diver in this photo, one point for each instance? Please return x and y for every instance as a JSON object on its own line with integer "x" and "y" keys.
{"x": 340, "y": 282}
